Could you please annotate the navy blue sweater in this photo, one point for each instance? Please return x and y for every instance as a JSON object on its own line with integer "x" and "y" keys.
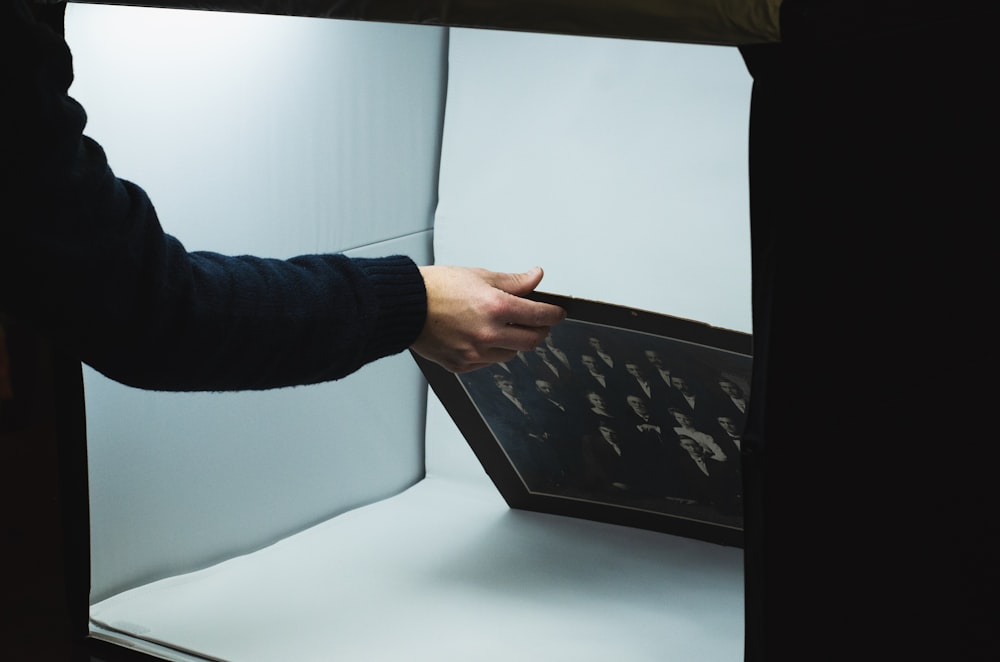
{"x": 83, "y": 258}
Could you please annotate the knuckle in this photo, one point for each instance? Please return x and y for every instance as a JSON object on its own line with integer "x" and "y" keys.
{"x": 490, "y": 337}
{"x": 468, "y": 356}
{"x": 498, "y": 307}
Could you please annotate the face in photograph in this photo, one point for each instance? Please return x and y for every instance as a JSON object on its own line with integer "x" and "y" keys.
{"x": 505, "y": 384}
{"x": 596, "y": 401}
{"x": 729, "y": 426}
{"x": 544, "y": 387}
{"x": 731, "y": 389}
{"x": 638, "y": 405}
{"x": 682, "y": 419}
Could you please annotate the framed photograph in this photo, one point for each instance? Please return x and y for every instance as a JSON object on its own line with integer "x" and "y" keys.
{"x": 621, "y": 416}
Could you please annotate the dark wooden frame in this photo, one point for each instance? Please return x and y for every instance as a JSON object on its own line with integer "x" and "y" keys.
{"x": 478, "y": 411}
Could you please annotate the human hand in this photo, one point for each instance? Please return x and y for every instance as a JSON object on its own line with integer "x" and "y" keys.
{"x": 477, "y": 317}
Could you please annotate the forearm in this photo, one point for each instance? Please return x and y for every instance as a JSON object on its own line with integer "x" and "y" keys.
{"x": 134, "y": 304}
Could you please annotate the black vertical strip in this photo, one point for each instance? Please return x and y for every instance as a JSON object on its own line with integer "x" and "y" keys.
{"x": 873, "y": 149}
{"x": 764, "y": 152}
{"x": 44, "y": 534}
{"x": 74, "y": 495}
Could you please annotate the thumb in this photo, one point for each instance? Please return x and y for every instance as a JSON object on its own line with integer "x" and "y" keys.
{"x": 519, "y": 284}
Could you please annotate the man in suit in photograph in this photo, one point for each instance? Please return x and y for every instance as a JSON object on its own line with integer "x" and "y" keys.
{"x": 730, "y": 436}
{"x": 557, "y": 353}
{"x": 608, "y": 460}
{"x": 547, "y": 367}
{"x": 601, "y": 352}
{"x": 658, "y": 368}
{"x": 733, "y": 401}
{"x": 652, "y": 389}
{"x": 594, "y": 376}
{"x": 561, "y": 429}
{"x": 706, "y": 479}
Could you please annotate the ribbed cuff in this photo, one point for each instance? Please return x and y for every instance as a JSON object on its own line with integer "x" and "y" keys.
{"x": 402, "y": 304}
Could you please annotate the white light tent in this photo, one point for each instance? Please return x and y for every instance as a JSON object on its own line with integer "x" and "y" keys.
{"x": 350, "y": 521}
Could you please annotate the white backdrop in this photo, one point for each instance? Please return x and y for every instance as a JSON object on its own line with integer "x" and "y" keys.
{"x": 618, "y": 166}
{"x": 273, "y": 136}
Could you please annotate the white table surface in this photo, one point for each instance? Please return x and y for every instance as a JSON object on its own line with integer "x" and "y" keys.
{"x": 445, "y": 571}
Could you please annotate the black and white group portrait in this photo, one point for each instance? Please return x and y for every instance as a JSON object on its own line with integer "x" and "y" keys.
{"x": 631, "y": 419}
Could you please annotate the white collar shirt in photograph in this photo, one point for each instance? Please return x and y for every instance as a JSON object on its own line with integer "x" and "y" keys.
{"x": 517, "y": 403}
{"x": 645, "y": 422}
{"x": 705, "y": 441}
{"x": 561, "y": 355}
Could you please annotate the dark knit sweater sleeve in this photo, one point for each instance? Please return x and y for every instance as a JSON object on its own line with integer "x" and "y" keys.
{"x": 83, "y": 257}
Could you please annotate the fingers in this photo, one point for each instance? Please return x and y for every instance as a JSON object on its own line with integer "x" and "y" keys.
{"x": 458, "y": 362}
{"x": 471, "y": 367}
{"x": 486, "y": 358}
{"x": 477, "y": 317}
{"x": 531, "y": 314}
{"x": 517, "y": 284}
{"x": 475, "y": 352}
{"x": 524, "y": 312}
{"x": 519, "y": 338}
